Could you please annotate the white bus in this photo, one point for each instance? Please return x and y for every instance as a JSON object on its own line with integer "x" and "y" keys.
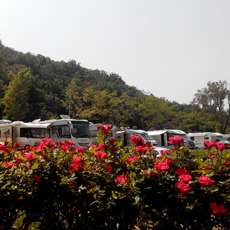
{"x": 23, "y": 133}
{"x": 69, "y": 129}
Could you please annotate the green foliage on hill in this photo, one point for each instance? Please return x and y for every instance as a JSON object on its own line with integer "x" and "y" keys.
{"x": 58, "y": 87}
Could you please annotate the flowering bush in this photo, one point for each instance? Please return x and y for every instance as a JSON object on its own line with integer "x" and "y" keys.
{"x": 58, "y": 186}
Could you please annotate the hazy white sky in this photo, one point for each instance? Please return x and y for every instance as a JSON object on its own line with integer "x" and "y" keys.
{"x": 170, "y": 48}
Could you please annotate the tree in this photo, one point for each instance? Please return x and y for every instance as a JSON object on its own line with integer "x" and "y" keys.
{"x": 212, "y": 100}
{"x": 16, "y": 95}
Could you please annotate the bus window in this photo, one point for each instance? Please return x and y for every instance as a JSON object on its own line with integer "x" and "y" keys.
{"x": 34, "y": 132}
{"x": 62, "y": 131}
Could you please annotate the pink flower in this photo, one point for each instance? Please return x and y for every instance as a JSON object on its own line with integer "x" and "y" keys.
{"x": 217, "y": 210}
{"x": 220, "y": 146}
{"x": 162, "y": 166}
{"x": 80, "y": 150}
{"x": 100, "y": 155}
{"x": 29, "y": 156}
{"x": 184, "y": 188}
{"x": 136, "y": 140}
{"x": 121, "y": 179}
{"x": 205, "y": 180}
{"x": 175, "y": 140}
{"x": 185, "y": 178}
{"x": 182, "y": 171}
{"x": 16, "y": 145}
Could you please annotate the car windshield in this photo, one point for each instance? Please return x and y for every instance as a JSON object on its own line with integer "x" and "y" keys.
{"x": 80, "y": 129}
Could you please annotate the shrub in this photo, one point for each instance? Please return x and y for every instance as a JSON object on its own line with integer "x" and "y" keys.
{"x": 58, "y": 186}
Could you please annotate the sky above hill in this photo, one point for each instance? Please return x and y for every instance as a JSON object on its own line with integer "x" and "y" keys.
{"x": 169, "y": 48}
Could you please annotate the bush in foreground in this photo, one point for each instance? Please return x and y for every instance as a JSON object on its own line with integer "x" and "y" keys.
{"x": 58, "y": 186}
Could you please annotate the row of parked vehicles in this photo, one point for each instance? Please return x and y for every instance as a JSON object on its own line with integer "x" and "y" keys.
{"x": 83, "y": 132}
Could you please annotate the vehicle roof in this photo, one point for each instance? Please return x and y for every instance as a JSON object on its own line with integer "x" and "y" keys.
{"x": 159, "y": 132}
{"x": 24, "y": 124}
{"x": 200, "y": 134}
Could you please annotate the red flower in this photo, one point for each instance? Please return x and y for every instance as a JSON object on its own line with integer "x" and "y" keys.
{"x": 182, "y": 171}
{"x": 70, "y": 142}
{"x": 77, "y": 163}
{"x": 131, "y": 159}
{"x": 121, "y": 179}
{"x": 217, "y": 209}
{"x": 184, "y": 188}
{"x": 100, "y": 155}
{"x": 136, "y": 140}
{"x": 151, "y": 174}
{"x": 221, "y": 146}
{"x": 112, "y": 140}
{"x": 185, "y": 178}
{"x": 162, "y": 166}
{"x": 210, "y": 144}
{"x": 105, "y": 128}
{"x": 37, "y": 178}
{"x": 109, "y": 168}
{"x": 16, "y": 145}
{"x": 165, "y": 151}
{"x": 80, "y": 150}
{"x": 101, "y": 146}
{"x": 2, "y": 147}
{"x": 175, "y": 140}
{"x": 141, "y": 149}
{"x": 205, "y": 180}
{"x": 18, "y": 160}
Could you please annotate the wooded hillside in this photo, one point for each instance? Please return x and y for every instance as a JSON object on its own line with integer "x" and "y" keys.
{"x": 34, "y": 86}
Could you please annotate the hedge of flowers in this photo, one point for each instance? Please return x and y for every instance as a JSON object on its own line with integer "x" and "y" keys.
{"x": 59, "y": 186}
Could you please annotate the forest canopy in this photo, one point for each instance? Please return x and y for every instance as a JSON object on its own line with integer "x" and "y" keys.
{"x": 34, "y": 86}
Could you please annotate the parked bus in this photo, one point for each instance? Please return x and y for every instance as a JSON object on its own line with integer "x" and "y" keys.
{"x": 23, "y": 133}
{"x": 67, "y": 128}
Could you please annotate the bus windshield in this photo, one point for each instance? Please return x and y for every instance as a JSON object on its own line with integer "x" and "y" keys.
{"x": 80, "y": 129}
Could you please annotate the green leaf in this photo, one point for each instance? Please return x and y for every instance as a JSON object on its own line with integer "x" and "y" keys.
{"x": 35, "y": 166}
